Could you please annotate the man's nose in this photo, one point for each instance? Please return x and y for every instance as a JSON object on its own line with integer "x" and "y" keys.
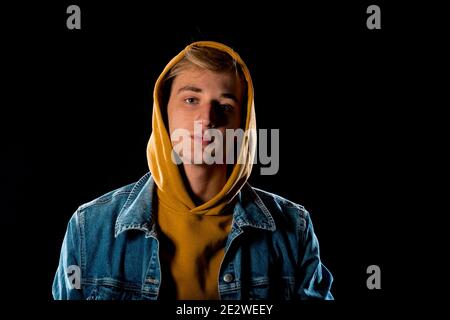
{"x": 207, "y": 115}
{"x": 212, "y": 115}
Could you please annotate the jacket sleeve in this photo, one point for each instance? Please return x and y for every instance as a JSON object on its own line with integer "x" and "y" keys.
{"x": 67, "y": 282}
{"x": 313, "y": 279}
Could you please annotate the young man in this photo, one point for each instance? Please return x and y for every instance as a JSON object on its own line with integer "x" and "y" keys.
{"x": 192, "y": 228}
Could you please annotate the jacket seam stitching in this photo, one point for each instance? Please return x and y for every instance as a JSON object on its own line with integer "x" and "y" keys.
{"x": 81, "y": 245}
{"x": 104, "y": 201}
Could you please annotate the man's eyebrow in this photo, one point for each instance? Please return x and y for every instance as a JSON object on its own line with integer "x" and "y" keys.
{"x": 196, "y": 89}
{"x": 230, "y": 96}
{"x": 189, "y": 88}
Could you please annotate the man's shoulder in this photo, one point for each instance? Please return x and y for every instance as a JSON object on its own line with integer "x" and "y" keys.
{"x": 109, "y": 198}
{"x": 280, "y": 207}
{"x": 111, "y": 202}
{"x": 275, "y": 199}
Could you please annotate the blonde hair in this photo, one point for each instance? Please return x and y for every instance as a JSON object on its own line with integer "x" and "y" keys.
{"x": 206, "y": 58}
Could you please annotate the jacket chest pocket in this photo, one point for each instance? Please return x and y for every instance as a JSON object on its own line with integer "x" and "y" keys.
{"x": 107, "y": 292}
{"x": 273, "y": 289}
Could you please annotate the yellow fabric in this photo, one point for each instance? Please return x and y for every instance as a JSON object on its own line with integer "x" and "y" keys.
{"x": 194, "y": 237}
{"x": 194, "y": 249}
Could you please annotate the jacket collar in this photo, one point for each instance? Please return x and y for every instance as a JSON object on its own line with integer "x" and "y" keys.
{"x": 250, "y": 211}
{"x": 138, "y": 212}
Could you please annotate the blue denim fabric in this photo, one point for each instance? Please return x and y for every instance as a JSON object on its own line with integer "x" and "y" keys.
{"x": 271, "y": 252}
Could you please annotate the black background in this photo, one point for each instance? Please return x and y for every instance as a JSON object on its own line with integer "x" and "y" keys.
{"x": 77, "y": 118}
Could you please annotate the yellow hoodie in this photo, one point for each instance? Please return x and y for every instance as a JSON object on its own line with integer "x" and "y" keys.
{"x": 193, "y": 238}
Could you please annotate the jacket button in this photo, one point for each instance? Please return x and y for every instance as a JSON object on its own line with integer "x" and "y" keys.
{"x": 228, "y": 277}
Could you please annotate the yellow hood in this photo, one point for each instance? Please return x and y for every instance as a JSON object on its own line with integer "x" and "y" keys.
{"x": 166, "y": 174}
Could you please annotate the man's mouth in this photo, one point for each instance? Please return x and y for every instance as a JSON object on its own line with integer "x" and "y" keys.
{"x": 202, "y": 139}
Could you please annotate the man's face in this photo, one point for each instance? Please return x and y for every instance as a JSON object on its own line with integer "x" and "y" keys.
{"x": 206, "y": 99}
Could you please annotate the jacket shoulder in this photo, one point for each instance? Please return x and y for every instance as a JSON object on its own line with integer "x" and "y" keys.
{"x": 110, "y": 198}
{"x": 284, "y": 211}
{"x": 279, "y": 201}
{"x": 109, "y": 205}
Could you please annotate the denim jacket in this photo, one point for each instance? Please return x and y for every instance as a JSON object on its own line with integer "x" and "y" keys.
{"x": 111, "y": 249}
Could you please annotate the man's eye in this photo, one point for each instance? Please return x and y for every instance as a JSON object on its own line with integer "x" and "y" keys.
{"x": 190, "y": 100}
{"x": 227, "y": 107}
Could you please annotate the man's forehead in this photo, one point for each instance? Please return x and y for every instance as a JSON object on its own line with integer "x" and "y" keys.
{"x": 204, "y": 79}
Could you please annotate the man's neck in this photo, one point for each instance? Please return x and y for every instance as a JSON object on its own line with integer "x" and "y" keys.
{"x": 205, "y": 181}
